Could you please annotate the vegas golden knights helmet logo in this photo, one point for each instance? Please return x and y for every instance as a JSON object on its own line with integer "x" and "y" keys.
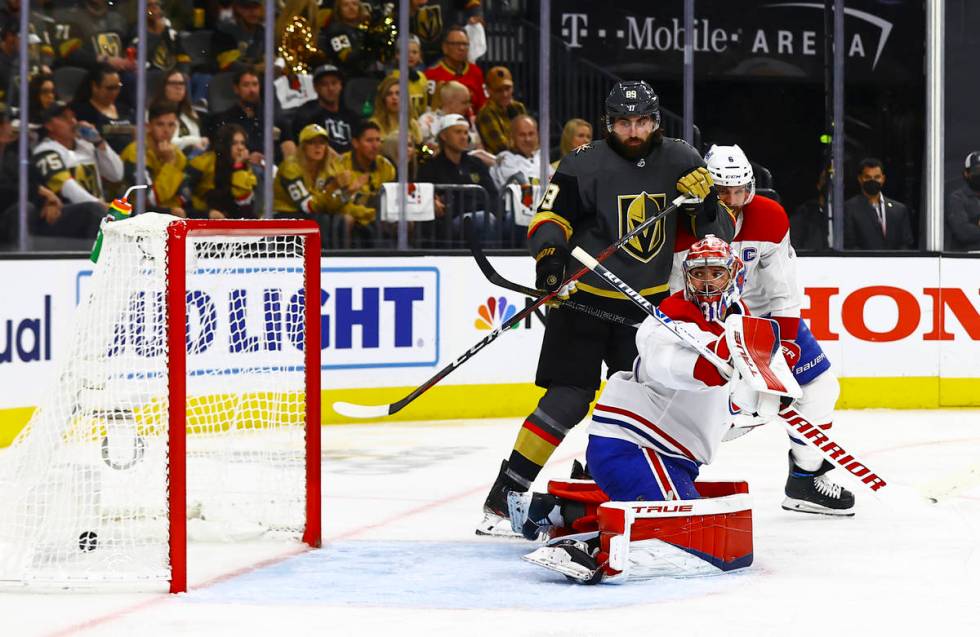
{"x": 634, "y": 210}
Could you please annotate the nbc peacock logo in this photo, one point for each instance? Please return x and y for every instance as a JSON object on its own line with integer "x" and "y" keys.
{"x": 495, "y": 313}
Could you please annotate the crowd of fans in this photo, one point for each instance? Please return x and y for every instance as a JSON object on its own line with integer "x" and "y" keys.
{"x": 335, "y": 119}
{"x": 336, "y": 114}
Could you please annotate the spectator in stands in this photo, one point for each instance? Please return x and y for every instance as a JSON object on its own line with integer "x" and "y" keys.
{"x": 576, "y": 132}
{"x": 455, "y": 165}
{"x": 90, "y": 36}
{"x": 71, "y": 162}
{"x": 809, "y": 224}
{"x": 426, "y": 21}
{"x": 247, "y": 113}
{"x": 455, "y": 66}
{"x": 871, "y": 220}
{"x": 165, "y": 162}
{"x": 9, "y": 178}
{"x": 45, "y": 212}
{"x": 41, "y": 94}
{"x": 9, "y": 64}
{"x": 40, "y": 26}
{"x": 521, "y": 164}
{"x": 963, "y": 209}
{"x": 327, "y": 110}
{"x": 360, "y": 173}
{"x": 342, "y": 41}
{"x": 304, "y": 186}
{"x": 221, "y": 183}
{"x": 493, "y": 120}
{"x": 188, "y": 136}
{"x": 452, "y": 98}
{"x": 386, "y": 104}
{"x": 164, "y": 51}
{"x": 97, "y": 102}
{"x": 418, "y": 83}
{"x": 240, "y": 41}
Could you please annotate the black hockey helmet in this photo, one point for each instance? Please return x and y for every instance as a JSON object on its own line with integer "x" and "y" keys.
{"x": 631, "y": 98}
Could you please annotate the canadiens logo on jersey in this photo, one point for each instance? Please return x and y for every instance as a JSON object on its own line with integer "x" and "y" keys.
{"x": 634, "y": 210}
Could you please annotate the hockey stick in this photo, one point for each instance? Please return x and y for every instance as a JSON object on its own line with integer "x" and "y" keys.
{"x": 496, "y": 278}
{"x": 352, "y": 410}
{"x": 799, "y": 426}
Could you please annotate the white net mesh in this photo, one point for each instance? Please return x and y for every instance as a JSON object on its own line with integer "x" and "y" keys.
{"x": 84, "y": 487}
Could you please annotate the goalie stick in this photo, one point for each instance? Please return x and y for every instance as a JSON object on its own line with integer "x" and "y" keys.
{"x": 353, "y": 410}
{"x": 497, "y": 279}
{"x": 799, "y": 426}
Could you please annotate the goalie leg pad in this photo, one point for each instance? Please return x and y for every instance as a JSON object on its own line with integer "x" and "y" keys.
{"x": 677, "y": 539}
{"x": 625, "y": 471}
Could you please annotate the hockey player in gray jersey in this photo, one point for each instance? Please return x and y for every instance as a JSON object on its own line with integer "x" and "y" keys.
{"x": 599, "y": 192}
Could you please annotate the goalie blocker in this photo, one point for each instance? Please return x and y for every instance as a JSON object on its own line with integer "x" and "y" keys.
{"x": 621, "y": 541}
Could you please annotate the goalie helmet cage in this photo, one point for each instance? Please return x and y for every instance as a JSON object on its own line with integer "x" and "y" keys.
{"x": 164, "y": 413}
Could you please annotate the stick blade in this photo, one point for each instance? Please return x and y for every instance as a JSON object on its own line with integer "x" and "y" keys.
{"x": 352, "y": 410}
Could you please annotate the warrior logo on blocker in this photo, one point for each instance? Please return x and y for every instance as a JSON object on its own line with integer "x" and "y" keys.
{"x": 633, "y": 212}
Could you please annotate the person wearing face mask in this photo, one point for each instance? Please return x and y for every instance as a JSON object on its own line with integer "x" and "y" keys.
{"x": 963, "y": 209}
{"x": 873, "y": 221}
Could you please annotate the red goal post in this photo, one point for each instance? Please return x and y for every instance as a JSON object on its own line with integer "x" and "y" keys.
{"x": 177, "y": 234}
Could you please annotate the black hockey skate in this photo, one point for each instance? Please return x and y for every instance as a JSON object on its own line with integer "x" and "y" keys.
{"x": 496, "y": 517}
{"x": 814, "y": 492}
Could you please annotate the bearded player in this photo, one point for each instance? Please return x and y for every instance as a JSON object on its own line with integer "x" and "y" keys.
{"x": 771, "y": 290}
{"x": 599, "y": 192}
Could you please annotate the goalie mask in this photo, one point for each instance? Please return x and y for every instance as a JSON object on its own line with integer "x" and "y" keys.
{"x": 732, "y": 173}
{"x": 713, "y": 277}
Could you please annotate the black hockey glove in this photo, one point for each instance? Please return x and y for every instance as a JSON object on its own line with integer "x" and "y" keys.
{"x": 550, "y": 268}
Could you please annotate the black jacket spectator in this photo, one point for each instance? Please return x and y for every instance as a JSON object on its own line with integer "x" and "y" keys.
{"x": 863, "y": 231}
{"x": 248, "y": 113}
{"x": 327, "y": 110}
{"x": 872, "y": 221}
{"x": 97, "y": 102}
{"x": 454, "y": 165}
{"x": 963, "y": 219}
{"x": 470, "y": 170}
{"x": 809, "y": 226}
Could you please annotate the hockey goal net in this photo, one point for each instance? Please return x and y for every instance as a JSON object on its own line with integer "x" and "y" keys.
{"x": 187, "y": 406}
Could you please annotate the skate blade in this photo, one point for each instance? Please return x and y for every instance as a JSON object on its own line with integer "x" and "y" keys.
{"x": 559, "y": 561}
{"x": 494, "y": 525}
{"x": 802, "y": 506}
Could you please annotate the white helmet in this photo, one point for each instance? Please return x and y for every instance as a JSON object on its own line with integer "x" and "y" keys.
{"x": 729, "y": 166}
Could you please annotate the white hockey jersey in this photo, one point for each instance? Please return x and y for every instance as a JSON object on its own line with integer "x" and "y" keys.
{"x": 674, "y": 400}
{"x": 762, "y": 242}
{"x": 75, "y": 174}
{"x": 516, "y": 168}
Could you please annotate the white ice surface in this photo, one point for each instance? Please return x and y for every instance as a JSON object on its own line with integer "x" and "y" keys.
{"x": 400, "y": 557}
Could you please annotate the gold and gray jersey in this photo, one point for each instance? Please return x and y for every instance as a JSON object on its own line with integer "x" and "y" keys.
{"x": 596, "y": 196}
{"x": 81, "y": 38}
